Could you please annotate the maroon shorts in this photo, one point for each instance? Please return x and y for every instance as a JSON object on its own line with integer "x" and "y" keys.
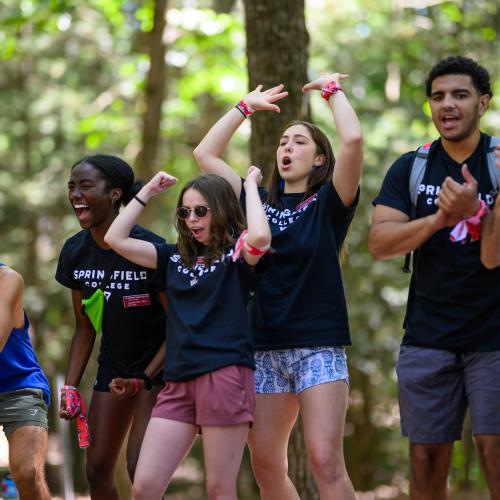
{"x": 222, "y": 397}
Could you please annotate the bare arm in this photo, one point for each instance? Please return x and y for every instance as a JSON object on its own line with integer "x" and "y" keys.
{"x": 259, "y": 233}
{"x": 209, "y": 152}
{"x": 490, "y": 238}
{"x": 11, "y": 303}
{"x": 156, "y": 364}
{"x": 123, "y": 387}
{"x": 118, "y": 237}
{"x": 80, "y": 350}
{"x": 392, "y": 233}
{"x": 349, "y": 160}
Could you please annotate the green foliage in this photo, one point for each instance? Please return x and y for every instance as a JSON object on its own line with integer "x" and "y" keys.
{"x": 72, "y": 76}
{"x": 374, "y": 44}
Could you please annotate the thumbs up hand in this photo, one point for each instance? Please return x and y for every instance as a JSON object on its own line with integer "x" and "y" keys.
{"x": 457, "y": 199}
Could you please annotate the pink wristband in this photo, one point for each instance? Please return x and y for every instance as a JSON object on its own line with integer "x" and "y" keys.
{"x": 252, "y": 250}
{"x": 244, "y": 108}
{"x": 328, "y": 90}
{"x": 136, "y": 386}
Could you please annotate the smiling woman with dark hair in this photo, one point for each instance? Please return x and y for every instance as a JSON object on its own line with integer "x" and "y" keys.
{"x": 133, "y": 322}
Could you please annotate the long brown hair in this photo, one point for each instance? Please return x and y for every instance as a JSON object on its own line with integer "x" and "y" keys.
{"x": 228, "y": 220}
{"x": 318, "y": 176}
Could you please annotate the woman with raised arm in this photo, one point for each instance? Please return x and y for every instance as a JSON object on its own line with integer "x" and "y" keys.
{"x": 209, "y": 364}
{"x": 133, "y": 322}
{"x": 298, "y": 314}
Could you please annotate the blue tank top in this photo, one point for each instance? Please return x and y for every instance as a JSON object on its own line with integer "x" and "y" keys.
{"x": 19, "y": 367}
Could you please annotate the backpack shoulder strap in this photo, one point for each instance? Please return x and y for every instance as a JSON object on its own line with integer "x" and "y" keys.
{"x": 492, "y": 169}
{"x": 417, "y": 173}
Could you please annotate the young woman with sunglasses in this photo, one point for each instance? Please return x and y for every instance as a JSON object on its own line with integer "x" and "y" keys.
{"x": 299, "y": 314}
{"x": 133, "y": 326}
{"x": 209, "y": 362}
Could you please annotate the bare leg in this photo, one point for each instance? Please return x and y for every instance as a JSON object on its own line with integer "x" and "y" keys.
{"x": 145, "y": 402}
{"x": 223, "y": 450}
{"x": 109, "y": 421}
{"x": 275, "y": 415}
{"x": 27, "y": 451}
{"x": 323, "y": 410}
{"x": 165, "y": 444}
{"x": 430, "y": 464}
{"x": 488, "y": 447}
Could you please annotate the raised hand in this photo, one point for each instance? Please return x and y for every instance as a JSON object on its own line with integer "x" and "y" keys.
{"x": 159, "y": 183}
{"x": 254, "y": 174}
{"x": 264, "y": 100}
{"x": 459, "y": 200}
{"x": 324, "y": 80}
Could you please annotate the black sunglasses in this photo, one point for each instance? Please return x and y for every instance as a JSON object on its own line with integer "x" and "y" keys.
{"x": 199, "y": 210}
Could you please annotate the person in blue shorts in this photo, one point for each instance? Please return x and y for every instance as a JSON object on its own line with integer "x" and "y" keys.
{"x": 299, "y": 313}
{"x": 24, "y": 392}
{"x": 449, "y": 359}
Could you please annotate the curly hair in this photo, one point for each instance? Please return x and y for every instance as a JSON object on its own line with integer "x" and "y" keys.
{"x": 458, "y": 65}
{"x": 318, "y": 176}
{"x": 228, "y": 220}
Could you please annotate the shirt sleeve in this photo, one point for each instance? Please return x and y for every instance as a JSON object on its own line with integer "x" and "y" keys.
{"x": 65, "y": 267}
{"x": 340, "y": 215}
{"x": 395, "y": 191}
{"x": 163, "y": 252}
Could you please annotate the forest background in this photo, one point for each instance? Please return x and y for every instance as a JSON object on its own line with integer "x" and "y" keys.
{"x": 145, "y": 80}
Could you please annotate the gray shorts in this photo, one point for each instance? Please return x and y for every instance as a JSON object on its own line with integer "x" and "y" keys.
{"x": 436, "y": 387}
{"x": 294, "y": 370}
{"x": 25, "y": 407}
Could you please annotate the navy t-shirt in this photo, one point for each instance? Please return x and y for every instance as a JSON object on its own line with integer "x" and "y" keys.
{"x": 300, "y": 301}
{"x": 207, "y": 325}
{"x": 133, "y": 326}
{"x": 454, "y": 301}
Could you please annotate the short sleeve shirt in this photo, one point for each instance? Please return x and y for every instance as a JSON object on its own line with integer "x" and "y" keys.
{"x": 133, "y": 326}
{"x": 207, "y": 326}
{"x": 300, "y": 301}
{"x": 454, "y": 301}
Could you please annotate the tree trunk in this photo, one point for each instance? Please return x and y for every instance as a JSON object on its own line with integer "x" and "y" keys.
{"x": 277, "y": 42}
{"x": 223, "y": 6}
{"x": 154, "y": 93}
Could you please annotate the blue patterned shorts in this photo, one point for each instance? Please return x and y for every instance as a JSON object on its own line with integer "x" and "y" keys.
{"x": 294, "y": 370}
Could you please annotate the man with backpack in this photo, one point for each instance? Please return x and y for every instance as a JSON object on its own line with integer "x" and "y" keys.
{"x": 24, "y": 392}
{"x": 450, "y": 354}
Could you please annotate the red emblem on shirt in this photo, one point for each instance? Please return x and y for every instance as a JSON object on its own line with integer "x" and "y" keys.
{"x": 140, "y": 300}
